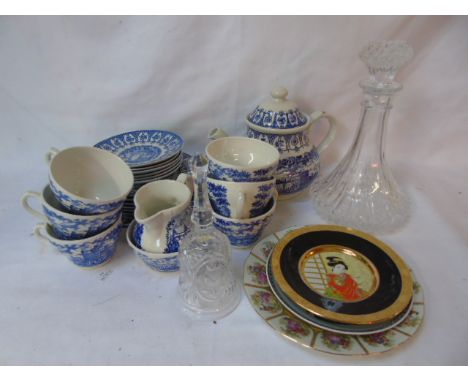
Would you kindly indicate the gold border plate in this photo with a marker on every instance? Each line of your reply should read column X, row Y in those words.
column 308, row 336
column 295, row 245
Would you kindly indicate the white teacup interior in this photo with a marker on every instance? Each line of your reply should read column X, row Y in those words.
column 91, row 173
column 242, row 152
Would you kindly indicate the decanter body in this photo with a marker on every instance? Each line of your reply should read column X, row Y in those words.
column 361, row 192
column 207, row 285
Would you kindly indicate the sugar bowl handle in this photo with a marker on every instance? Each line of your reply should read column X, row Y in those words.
column 315, row 116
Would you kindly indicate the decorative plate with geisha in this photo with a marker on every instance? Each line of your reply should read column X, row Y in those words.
column 332, row 326
column 272, row 311
column 342, row 275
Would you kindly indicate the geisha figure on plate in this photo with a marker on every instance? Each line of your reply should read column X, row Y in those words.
column 338, row 273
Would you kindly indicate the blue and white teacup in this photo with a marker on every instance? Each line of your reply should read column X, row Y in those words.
column 65, row 225
column 88, row 180
column 240, row 200
column 162, row 262
column 243, row 233
column 241, row 159
column 88, row 252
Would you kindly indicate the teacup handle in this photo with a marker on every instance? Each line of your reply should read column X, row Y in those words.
column 240, row 202
column 27, row 207
column 50, row 154
column 182, row 178
column 315, row 116
column 39, row 230
column 217, row 133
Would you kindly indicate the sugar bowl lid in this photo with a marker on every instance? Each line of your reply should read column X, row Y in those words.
column 278, row 112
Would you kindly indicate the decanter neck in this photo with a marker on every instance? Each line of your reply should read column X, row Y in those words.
column 370, row 137
column 378, row 87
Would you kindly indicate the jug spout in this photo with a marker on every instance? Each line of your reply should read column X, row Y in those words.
column 157, row 205
column 217, row 133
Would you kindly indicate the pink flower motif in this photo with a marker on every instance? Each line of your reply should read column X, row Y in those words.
column 335, row 340
column 259, row 271
column 378, row 339
column 266, row 297
column 295, row 327
column 262, row 277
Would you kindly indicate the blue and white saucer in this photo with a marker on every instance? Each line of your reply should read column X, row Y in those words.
column 143, row 147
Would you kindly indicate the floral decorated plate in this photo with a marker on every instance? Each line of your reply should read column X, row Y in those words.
column 284, row 322
column 342, row 275
column 143, row 147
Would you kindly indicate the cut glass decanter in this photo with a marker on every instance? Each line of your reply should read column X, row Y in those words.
column 361, row 191
column 207, row 285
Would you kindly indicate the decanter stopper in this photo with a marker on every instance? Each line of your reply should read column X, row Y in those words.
column 384, row 60
column 207, row 285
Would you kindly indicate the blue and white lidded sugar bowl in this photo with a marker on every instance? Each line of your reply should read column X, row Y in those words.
column 279, row 122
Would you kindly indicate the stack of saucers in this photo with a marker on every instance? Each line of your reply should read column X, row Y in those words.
column 151, row 154
column 341, row 280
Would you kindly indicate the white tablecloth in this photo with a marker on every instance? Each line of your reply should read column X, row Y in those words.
column 68, row 81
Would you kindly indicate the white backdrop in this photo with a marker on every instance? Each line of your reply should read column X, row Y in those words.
column 68, row 81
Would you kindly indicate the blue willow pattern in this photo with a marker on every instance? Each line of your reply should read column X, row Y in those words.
column 292, row 183
column 283, row 142
column 218, row 196
column 143, row 146
column 298, row 170
column 93, row 253
column 231, row 174
column 261, row 200
column 69, row 229
column 242, row 234
column 167, row 264
column 277, row 120
column 176, row 230
column 140, row 154
column 137, row 234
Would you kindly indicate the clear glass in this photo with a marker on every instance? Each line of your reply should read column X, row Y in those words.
column 207, row 285
column 361, row 191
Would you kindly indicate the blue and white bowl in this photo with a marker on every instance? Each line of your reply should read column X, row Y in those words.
column 89, row 252
column 143, row 147
column 162, row 262
column 243, row 233
column 88, row 180
column 65, row 225
column 241, row 159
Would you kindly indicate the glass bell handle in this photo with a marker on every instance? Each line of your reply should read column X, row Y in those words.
column 332, row 123
column 202, row 213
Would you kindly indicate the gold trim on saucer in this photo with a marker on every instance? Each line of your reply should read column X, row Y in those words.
column 388, row 313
